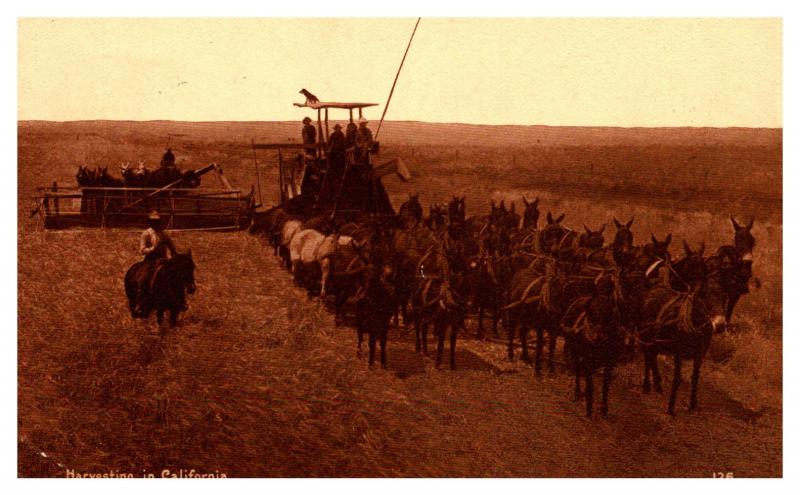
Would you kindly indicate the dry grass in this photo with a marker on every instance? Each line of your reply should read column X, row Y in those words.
column 257, row 380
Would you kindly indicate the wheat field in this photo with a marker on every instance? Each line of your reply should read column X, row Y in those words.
column 257, row 380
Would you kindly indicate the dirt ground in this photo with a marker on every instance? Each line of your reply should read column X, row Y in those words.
column 258, row 381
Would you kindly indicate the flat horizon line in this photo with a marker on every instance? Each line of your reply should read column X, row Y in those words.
column 403, row 121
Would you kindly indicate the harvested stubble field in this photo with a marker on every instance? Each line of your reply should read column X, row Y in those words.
column 257, row 380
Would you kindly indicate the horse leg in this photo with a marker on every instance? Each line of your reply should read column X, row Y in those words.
column 523, row 341
column 577, row 365
column 425, row 337
column 539, row 349
column 656, row 373
column 698, row 361
column 647, row 367
column 418, row 335
column 676, row 382
column 495, row 321
column 372, row 339
column 324, row 266
column 480, row 321
column 360, row 331
column 440, row 328
column 453, row 336
column 384, row 338
column 732, row 300
column 173, row 317
column 589, row 392
column 510, row 325
column 551, row 366
column 606, row 385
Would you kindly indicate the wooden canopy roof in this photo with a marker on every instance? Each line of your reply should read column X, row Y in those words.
column 331, row 104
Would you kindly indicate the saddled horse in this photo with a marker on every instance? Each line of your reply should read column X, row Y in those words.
column 160, row 285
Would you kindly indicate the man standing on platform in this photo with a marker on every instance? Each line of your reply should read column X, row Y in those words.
column 363, row 142
column 309, row 136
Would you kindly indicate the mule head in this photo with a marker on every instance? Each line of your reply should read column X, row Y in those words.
column 743, row 240
column 693, row 266
column 592, row 239
column 455, row 208
column 551, row 235
column 661, row 248
column 530, row 218
column 623, row 240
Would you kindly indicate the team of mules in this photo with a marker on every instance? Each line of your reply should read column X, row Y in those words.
column 604, row 300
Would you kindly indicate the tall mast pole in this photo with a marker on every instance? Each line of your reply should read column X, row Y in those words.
column 391, row 91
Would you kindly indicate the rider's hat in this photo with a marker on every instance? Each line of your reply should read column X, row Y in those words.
column 306, row 120
column 154, row 215
column 337, row 126
column 362, row 120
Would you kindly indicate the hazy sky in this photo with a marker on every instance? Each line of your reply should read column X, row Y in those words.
column 619, row 72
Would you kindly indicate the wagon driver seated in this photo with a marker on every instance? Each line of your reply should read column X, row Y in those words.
column 168, row 160
column 156, row 246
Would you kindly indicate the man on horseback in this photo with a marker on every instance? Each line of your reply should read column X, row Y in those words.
column 156, row 246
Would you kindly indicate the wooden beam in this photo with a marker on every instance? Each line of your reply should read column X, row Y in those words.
column 284, row 146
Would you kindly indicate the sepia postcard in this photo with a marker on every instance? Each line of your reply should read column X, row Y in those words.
column 400, row 247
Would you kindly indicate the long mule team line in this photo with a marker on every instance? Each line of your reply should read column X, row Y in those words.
column 179, row 202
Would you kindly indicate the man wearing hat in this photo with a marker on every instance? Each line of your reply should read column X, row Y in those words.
column 168, row 160
column 363, row 141
column 337, row 157
column 155, row 244
column 309, row 136
column 336, row 142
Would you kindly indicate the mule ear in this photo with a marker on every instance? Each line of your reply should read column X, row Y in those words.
column 668, row 239
column 503, row 204
column 588, row 230
column 189, row 252
column 702, row 248
column 630, row 222
column 736, row 225
column 513, row 207
column 653, row 238
column 549, row 218
column 602, row 229
column 536, row 201
column 750, row 224
column 525, row 201
column 560, row 217
column 687, row 249
column 616, row 222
